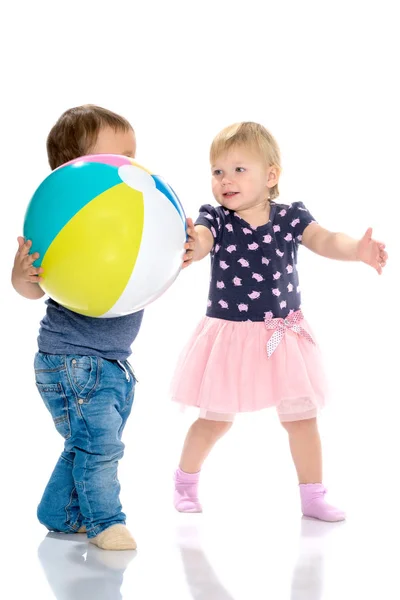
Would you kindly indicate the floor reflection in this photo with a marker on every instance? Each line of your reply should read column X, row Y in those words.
column 308, row 573
column 77, row 570
column 200, row 575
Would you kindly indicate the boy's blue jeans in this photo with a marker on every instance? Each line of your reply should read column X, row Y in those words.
column 90, row 400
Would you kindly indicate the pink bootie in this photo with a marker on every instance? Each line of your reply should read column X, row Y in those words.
column 313, row 503
column 186, row 496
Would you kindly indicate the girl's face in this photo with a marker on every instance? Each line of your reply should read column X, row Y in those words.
column 241, row 179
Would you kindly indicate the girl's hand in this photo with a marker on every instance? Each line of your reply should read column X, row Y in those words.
column 371, row 252
column 23, row 271
column 190, row 245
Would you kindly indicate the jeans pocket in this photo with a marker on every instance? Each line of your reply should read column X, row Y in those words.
column 81, row 369
column 57, row 404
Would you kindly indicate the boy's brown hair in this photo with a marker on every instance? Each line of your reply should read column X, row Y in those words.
column 76, row 131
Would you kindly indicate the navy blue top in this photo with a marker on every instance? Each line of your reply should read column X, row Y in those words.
column 254, row 269
column 65, row 332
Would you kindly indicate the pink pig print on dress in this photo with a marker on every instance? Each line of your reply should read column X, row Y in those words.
column 288, row 237
column 223, row 304
column 289, row 269
column 283, row 304
column 223, row 265
column 237, row 281
column 243, row 307
column 254, row 295
column 277, row 275
column 258, row 277
column 229, row 227
column 295, row 222
column 220, row 285
column 279, row 253
column 277, row 228
column 265, row 261
column 247, row 231
column 243, row 262
column 276, row 292
column 253, row 246
column 267, row 239
column 282, row 213
column 231, row 248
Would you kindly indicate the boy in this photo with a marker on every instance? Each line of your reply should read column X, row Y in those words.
column 81, row 368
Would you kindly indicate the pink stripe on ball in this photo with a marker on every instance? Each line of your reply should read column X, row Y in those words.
column 109, row 159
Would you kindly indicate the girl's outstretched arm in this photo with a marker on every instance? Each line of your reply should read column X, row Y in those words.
column 340, row 246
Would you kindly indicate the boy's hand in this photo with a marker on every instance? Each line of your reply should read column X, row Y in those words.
column 23, row 271
column 371, row 252
column 190, row 245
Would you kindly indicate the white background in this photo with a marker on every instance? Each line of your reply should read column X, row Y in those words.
column 323, row 77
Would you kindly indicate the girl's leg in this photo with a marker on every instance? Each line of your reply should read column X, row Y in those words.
column 305, row 446
column 200, row 439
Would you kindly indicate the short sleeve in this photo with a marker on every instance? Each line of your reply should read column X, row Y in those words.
column 299, row 218
column 208, row 217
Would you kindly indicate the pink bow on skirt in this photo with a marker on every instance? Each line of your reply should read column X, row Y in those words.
column 281, row 326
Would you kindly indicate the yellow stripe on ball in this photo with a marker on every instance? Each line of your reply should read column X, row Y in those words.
column 95, row 253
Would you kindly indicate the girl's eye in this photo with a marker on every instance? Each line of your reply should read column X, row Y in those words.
column 240, row 169
column 217, row 172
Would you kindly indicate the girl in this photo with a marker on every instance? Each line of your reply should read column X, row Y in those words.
column 254, row 348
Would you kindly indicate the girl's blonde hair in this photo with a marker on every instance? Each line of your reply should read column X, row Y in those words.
column 255, row 137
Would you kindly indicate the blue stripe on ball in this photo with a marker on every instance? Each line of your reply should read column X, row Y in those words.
column 61, row 195
column 166, row 189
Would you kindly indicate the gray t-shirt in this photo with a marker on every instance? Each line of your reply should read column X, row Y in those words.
column 65, row 332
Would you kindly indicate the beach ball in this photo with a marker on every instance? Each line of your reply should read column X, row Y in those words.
column 110, row 235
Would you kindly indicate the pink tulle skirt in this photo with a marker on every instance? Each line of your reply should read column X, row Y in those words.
column 231, row 367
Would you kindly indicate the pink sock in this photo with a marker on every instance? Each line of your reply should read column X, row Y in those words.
column 313, row 503
column 185, row 496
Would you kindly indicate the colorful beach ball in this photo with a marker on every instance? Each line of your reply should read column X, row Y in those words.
column 110, row 235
